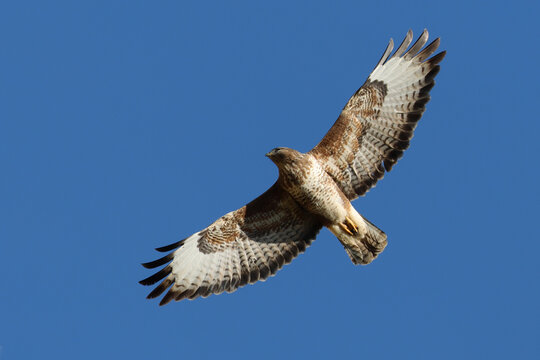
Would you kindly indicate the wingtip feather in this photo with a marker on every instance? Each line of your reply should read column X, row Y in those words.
column 172, row 246
column 428, row 50
column 160, row 288
column 161, row 261
column 151, row 280
column 169, row 296
column 437, row 58
column 386, row 53
column 422, row 39
column 404, row 44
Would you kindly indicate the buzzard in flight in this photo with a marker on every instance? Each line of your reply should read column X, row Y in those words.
column 313, row 190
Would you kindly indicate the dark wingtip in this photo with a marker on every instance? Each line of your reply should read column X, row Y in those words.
column 424, row 92
column 169, row 296
column 160, row 288
column 171, row 246
column 428, row 50
column 151, row 280
column 431, row 75
column 437, row 58
column 158, row 262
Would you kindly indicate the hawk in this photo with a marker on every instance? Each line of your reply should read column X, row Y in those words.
column 313, row 190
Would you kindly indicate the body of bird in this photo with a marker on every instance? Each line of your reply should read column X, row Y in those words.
column 313, row 190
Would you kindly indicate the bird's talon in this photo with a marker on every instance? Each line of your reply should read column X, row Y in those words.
column 344, row 227
column 352, row 225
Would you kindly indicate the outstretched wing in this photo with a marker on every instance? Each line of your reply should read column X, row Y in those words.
column 376, row 125
column 242, row 247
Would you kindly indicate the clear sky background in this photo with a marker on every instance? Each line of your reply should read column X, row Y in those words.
column 127, row 125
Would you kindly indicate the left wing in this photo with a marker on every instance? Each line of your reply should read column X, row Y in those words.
column 244, row 246
column 377, row 123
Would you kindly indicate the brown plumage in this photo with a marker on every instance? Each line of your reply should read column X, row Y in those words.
column 313, row 189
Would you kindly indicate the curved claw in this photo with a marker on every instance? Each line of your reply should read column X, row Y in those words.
column 349, row 226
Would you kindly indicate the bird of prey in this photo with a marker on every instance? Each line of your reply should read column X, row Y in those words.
column 313, row 190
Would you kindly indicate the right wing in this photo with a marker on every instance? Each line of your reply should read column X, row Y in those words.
column 378, row 121
column 242, row 247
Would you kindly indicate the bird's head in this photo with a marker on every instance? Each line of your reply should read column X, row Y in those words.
column 275, row 153
column 283, row 155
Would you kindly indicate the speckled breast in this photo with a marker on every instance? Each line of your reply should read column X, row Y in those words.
column 315, row 190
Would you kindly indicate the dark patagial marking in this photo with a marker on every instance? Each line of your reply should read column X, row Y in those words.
column 368, row 99
column 221, row 233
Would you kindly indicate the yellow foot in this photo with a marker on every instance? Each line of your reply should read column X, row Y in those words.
column 352, row 225
column 349, row 226
column 344, row 227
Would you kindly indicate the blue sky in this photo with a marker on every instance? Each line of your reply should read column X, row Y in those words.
column 127, row 125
